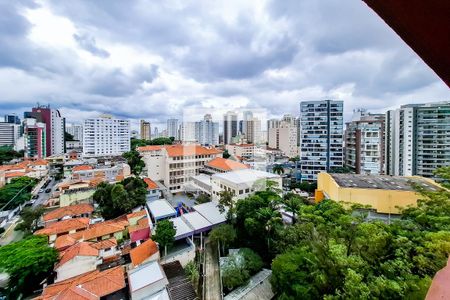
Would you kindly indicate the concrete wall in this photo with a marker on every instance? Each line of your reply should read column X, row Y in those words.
column 77, row 266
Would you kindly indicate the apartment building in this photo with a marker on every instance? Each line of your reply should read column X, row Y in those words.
column 55, row 126
column 172, row 128
column 321, row 137
column 283, row 136
column 417, row 139
column 364, row 143
column 105, row 135
column 207, row 131
column 230, row 127
column 145, row 130
column 241, row 150
column 176, row 164
column 76, row 130
column 9, row 133
column 34, row 135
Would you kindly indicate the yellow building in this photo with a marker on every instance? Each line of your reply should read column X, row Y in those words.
column 383, row 193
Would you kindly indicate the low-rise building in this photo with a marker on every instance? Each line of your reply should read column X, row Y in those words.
column 76, row 260
column 61, row 228
column 147, row 251
column 241, row 150
column 113, row 173
column 83, row 210
column 385, row 194
column 93, row 285
column 176, row 164
column 222, row 165
column 31, row 168
column 242, row 183
column 154, row 192
column 146, row 280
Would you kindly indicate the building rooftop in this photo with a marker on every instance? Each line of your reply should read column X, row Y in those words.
column 143, row 251
column 226, row 164
column 243, row 176
column 197, row 221
column 105, row 244
column 92, row 285
column 65, row 211
column 82, row 168
column 383, row 182
column 64, row 226
column 182, row 228
column 160, row 208
column 189, row 150
column 151, row 185
column 210, row 212
column 145, row 275
column 79, row 249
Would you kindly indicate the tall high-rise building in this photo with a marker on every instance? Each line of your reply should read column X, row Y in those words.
column 230, row 127
column 272, row 123
column 187, row 132
column 145, row 130
column 76, row 130
column 283, row 136
column 172, row 128
column 55, row 128
column 247, row 116
column 417, row 139
column 364, row 143
column 321, row 137
column 252, row 130
column 12, row 118
column 34, row 135
column 105, row 135
column 207, row 131
column 9, row 133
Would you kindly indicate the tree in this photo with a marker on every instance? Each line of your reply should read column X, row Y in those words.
column 226, row 202
column 344, row 169
column 27, row 263
column 203, row 198
column 226, row 154
column 292, row 203
column 278, row 169
column 18, row 190
column 272, row 219
column 223, row 235
column 68, row 137
column 117, row 199
column 30, row 218
column 7, row 153
column 165, row 234
column 234, row 274
column 135, row 161
column 192, row 272
column 305, row 186
column 295, row 158
column 252, row 261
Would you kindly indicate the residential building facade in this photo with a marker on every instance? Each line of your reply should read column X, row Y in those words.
column 321, row 137
column 145, row 130
column 76, row 130
column 364, row 143
column 55, row 127
column 417, row 139
column 230, row 127
column 34, row 136
column 172, row 128
column 283, row 136
column 207, row 131
column 105, row 136
column 9, row 133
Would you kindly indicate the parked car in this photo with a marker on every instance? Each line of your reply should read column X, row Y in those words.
column 41, row 190
column 35, row 197
column 48, row 190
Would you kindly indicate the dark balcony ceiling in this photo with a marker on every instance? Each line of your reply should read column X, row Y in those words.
column 424, row 25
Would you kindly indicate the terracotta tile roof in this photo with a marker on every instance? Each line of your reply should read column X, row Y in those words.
column 95, row 181
column 40, row 162
column 88, row 286
column 98, row 230
column 112, row 242
column 64, row 226
column 141, row 224
column 81, row 168
column 140, row 213
column 188, row 150
column 226, row 164
column 143, row 251
column 151, row 185
column 73, row 210
column 440, row 286
column 79, row 249
column 15, row 174
column 243, row 145
column 64, row 241
column 149, row 148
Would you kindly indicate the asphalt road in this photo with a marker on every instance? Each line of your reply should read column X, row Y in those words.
column 45, row 196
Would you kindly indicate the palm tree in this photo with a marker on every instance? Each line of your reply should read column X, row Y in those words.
column 278, row 169
column 272, row 219
column 226, row 201
column 292, row 203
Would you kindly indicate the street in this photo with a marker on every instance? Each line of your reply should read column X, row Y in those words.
column 43, row 197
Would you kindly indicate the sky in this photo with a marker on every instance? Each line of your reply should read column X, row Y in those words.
column 155, row 60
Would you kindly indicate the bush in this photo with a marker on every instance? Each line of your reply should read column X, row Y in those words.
column 252, row 261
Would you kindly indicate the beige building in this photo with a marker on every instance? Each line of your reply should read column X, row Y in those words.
column 145, row 130
column 241, row 150
column 176, row 164
column 385, row 194
column 285, row 138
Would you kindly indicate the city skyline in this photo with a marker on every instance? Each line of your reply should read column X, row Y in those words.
column 267, row 57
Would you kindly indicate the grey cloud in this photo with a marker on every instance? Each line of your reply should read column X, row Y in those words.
column 89, row 44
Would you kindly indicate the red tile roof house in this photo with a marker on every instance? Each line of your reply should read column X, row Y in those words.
column 139, row 228
column 90, row 286
column 61, row 228
column 147, row 251
column 83, row 210
column 76, row 260
column 153, row 189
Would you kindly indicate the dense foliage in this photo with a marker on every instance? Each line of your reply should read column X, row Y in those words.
column 164, row 234
column 334, row 253
column 305, row 186
column 120, row 198
column 29, row 219
column 158, row 141
column 27, row 263
column 7, row 154
column 19, row 188
column 202, row 198
column 135, row 161
column 239, row 267
column 226, row 154
column 223, row 235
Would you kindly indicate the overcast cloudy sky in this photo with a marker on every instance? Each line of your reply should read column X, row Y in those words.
column 152, row 59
